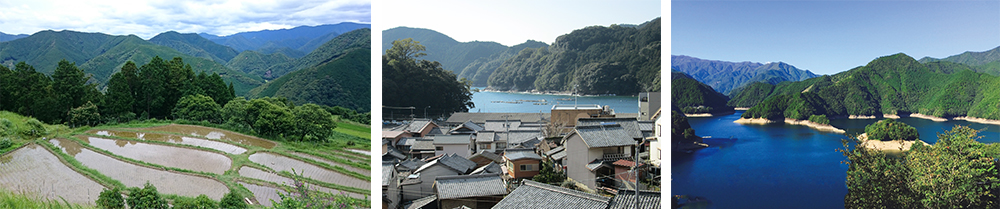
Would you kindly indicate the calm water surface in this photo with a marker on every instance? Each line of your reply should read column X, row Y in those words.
column 484, row 102
column 777, row 165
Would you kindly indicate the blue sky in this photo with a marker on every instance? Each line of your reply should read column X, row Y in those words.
column 147, row 18
column 510, row 22
column 828, row 37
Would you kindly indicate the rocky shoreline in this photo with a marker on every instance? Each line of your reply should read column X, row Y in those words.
column 810, row 124
column 894, row 145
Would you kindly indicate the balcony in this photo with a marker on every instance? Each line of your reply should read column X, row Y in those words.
column 615, row 157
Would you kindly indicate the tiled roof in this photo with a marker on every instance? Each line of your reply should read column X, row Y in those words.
column 604, row 136
column 594, row 164
column 415, row 125
column 543, row 196
column 468, row 125
column 391, row 134
column 485, row 136
column 462, row 186
column 393, row 152
column 488, row 168
column 387, row 172
column 502, row 125
column 626, row 199
column 452, row 139
column 435, row 131
column 488, row 155
column 411, row 164
column 520, row 136
column 555, row 150
column 522, row 155
column 423, row 145
column 631, row 125
column 532, row 143
column 559, row 155
column 646, row 125
column 453, row 161
column 481, row 118
column 419, row 203
column 625, row 163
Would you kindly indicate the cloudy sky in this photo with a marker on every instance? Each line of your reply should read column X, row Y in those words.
column 148, row 18
column 510, row 22
column 827, row 37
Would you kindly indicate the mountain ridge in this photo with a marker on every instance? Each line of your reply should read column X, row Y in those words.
column 727, row 76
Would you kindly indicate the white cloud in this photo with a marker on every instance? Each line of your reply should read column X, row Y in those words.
column 148, row 18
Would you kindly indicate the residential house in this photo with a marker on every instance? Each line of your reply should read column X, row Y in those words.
column 488, row 168
column 421, row 147
column 409, row 165
column 522, row 164
column 649, row 103
column 625, row 176
column 466, row 128
column 421, row 181
column 394, row 136
column 472, row 191
column 484, row 157
column 428, row 202
column 556, row 155
column 418, row 127
column 481, row 118
column 567, row 115
column 627, row 199
column 537, row 195
column 390, row 187
column 458, row 144
column 591, row 149
column 655, row 153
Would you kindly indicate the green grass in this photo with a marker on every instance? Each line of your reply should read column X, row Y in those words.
column 354, row 129
column 16, row 201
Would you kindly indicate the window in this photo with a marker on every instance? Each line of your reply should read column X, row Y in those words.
column 501, row 145
column 484, row 146
column 528, row 167
column 439, row 148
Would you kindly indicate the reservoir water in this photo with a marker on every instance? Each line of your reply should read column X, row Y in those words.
column 778, row 165
column 485, row 102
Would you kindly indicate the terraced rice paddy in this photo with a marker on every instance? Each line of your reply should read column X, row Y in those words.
column 330, row 162
column 282, row 163
column 184, row 158
column 281, row 180
column 136, row 176
column 212, row 133
column 228, row 148
column 263, row 194
column 33, row 169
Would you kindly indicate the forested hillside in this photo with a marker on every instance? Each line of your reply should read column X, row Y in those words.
column 479, row 70
column 341, row 77
column 593, row 60
column 986, row 61
column 726, row 77
column 454, row 56
column 10, row 37
column 690, row 96
column 294, row 42
column 194, row 45
column 101, row 55
column 274, row 66
column 895, row 84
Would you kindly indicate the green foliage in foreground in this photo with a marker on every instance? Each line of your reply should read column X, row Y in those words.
column 302, row 197
column 233, row 200
column 890, row 129
column 821, row 119
column 111, row 199
column 549, row 175
column 146, row 197
column 16, row 201
column 957, row 172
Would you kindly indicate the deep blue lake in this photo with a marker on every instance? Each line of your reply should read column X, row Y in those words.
column 484, row 102
column 778, row 165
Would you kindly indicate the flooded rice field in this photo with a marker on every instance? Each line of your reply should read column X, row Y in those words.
column 263, row 194
column 363, row 152
column 228, row 148
column 281, row 180
column 362, row 171
column 214, row 133
column 282, row 163
column 33, row 169
column 190, row 159
column 136, row 176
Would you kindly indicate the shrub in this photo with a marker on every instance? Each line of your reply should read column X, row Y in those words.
column 111, row 199
column 147, row 197
column 233, row 200
column 201, row 202
column 5, row 143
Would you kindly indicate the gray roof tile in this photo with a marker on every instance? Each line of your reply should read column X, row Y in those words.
column 488, row 155
column 414, row 126
column 485, row 137
column 626, row 199
column 501, row 125
column 488, row 168
column 522, row 155
column 418, row 203
column 467, row 127
column 555, row 150
column 452, row 139
column 631, row 125
column 423, row 145
column 605, row 136
column 453, row 161
column 543, row 196
column 559, row 155
column 462, row 186
column 387, row 172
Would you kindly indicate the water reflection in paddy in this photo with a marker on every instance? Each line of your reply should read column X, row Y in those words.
column 228, row 148
column 365, row 172
column 32, row 169
column 281, row 180
column 282, row 163
column 214, row 133
column 136, row 176
column 169, row 156
column 263, row 194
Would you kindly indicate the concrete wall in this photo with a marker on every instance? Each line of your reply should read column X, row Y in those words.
column 514, row 168
column 568, row 117
column 577, row 157
column 460, row 149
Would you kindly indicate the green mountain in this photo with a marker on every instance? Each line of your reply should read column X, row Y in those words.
column 338, row 74
column 591, row 60
column 691, row 96
column 895, row 84
column 454, row 56
column 101, row 55
column 293, row 42
column 478, row 71
column 256, row 63
column 751, row 94
column 986, row 61
column 10, row 37
column 195, row 45
column 326, row 52
column 727, row 77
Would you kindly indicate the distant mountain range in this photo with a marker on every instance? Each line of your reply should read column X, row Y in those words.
column 728, row 76
column 620, row 59
column 986, row 61
column 101, row 55
column 295, row 42
column 10, row 37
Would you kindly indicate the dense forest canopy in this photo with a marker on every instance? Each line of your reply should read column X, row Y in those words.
column 593, row 60
column 691, row 96
column 408, row 82
column 895, row 84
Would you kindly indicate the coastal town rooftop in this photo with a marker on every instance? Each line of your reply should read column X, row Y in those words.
column 576, row 107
